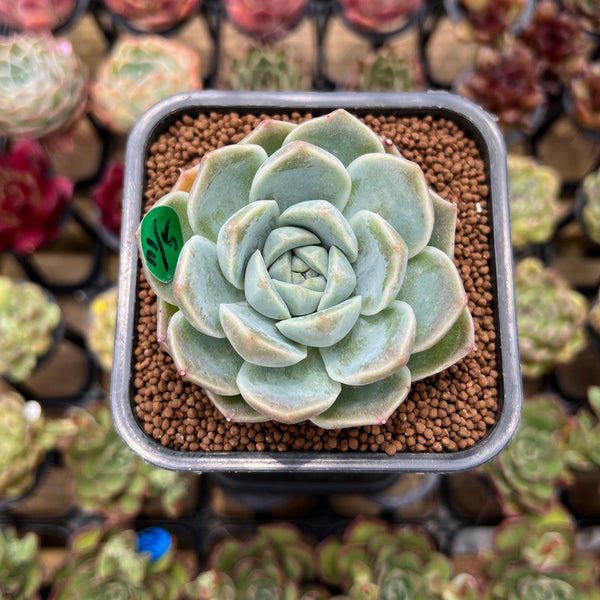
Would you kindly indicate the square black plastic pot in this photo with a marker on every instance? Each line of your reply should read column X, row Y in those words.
column 476, row 124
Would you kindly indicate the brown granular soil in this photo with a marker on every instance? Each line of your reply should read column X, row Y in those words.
column 447, row 412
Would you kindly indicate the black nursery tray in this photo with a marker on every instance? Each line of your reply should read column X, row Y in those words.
column 479, row 126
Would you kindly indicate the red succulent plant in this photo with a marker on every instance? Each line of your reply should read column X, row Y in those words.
column 31, row 199
column 585, row 91
column 379, row 16
column 35, row 15
column 266, row 20
column 108, row 197
column 487, row 21
column 153, row 15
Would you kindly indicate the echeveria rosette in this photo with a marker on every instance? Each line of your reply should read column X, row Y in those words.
column 20, row 565
column 316, row 280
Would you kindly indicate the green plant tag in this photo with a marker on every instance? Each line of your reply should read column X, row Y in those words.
column 162, row 241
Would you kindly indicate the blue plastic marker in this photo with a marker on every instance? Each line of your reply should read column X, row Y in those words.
column 154, row 540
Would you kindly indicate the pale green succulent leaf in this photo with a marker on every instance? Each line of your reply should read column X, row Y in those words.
column 298, row 265
column 396, row 190
column 256, row 339
column 209, row 362
column 199, row 286
column 316, row 257
column 299, row 172
column 241, row 235
column 260, row 290
column 381, row 262
column 283, row 239
column 339, row 133
column 456, row 344
column 164, row 312
column 324, row 220
column 433, row 288
column 222, row 186
column 444, row 224
column 283, row 394
column 377, row 347
column 299, row 299
column 324, row 327
column 178, row 201
column 317, row 284
column 281, row 268
column 370, row 404
column 341, row 279
column 269, row 134
column 235, row 409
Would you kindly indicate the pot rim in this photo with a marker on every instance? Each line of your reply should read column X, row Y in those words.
column 479, row 125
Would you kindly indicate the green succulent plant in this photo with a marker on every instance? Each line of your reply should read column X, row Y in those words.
column 533, row 192
column 274, row 564
column 386, row 71
column 28, row 319
column 534, row 557
column 26, row 438
column 101, row 332
column 20, row 566
column 373, row 560
column 43, row 85
column 527, row 473
column 108, row 477
column 591, row 208
column 105, row 564
column 266, row 68
column 138, row 73
column 550, row 315
column 583, row 444
column 327, row 263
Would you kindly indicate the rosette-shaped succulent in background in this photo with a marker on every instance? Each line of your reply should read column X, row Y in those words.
column 550, row 315
column 28, row 319
column 374, row 560
column 137, row 74
column 583, row 444
column 535, row 557
column 587, row 13
column 104, row 564
column 108, row 477
column 486, row 21
column 108, row 197
column 32, row 201
column 276, row 563
column 379, row 16
column 43, row 85
column 590, row 213
column 153, row 16
column 594, row 315
column 316, row 280
column 35, row 15
column 533, row 191
column 101, row 331
column 506, row 84
column 265, row 20
column 527, row 473
column 386, row 71
column 585, row 94
column 20, row 566
column 266, row 68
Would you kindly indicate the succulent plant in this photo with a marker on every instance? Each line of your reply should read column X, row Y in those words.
column 106, row 564
column 26, row 437
column 374, row 560
column 585, row 92
column 527, row 473
column 267, row 68
column 32, row 200
column 108, row 197
column 534, row 557
column 138, row 73
column 28, row 319
column 265, row 20
column 583, row 444
column 20, row 566
column 153, row 16
column 590, row 213
column 379, row 16
column 36, row 15
column 386, row 71
column 274, row 564
column 557, row 44
column 506, row 84
column 594, row 316
column 550, row 316
column 101, row 331
column 587, row 12
column 324, row 304
column 108, row 477
column 43, row 85
column 533, row 192
column 487, row 20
